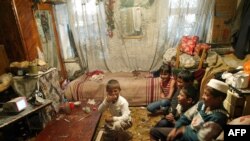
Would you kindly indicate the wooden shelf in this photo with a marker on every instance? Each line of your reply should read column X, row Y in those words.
column 55, row 1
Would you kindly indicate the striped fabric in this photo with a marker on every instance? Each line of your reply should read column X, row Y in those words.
column 152, row 90
column 138, row 90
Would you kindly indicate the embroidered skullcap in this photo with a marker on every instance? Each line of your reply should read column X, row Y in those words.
column 218, row 85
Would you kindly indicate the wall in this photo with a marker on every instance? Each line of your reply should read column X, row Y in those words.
column 4, row 63
column 18, row 31
column 224, row 11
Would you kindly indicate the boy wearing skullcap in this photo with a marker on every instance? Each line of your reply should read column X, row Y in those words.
column 204, row 121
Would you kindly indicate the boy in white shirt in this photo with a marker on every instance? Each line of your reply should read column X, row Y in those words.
column 120, row 119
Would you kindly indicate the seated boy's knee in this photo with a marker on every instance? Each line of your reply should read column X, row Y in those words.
column 153, row 131
column 150, row 109
column 165, row 102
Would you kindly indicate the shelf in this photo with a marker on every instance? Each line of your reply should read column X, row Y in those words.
column 55, row 1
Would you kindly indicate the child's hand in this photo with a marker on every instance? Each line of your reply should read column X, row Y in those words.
column 109, row 119
column 175, row 133
column 172, row 135
column 112, row 99
column 109, row 99
column 170, row 117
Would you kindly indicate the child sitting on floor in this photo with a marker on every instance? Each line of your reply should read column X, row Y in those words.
column 204, row 121
column 184, row 78
column 120, row 119
column 187, row 98
column 168, row 87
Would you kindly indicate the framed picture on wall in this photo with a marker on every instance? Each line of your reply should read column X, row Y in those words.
column 131, row 22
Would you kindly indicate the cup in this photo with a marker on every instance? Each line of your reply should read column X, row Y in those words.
column 71, row 105
column 67, row 108
column 86, row 109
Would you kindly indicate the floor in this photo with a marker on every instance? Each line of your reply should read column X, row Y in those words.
column 142, row 122
column 233, row 61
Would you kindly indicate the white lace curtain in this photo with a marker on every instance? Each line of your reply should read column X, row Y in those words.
column 126, row 35
column 47, row 37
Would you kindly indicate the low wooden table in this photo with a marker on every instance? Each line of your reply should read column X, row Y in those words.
column 6, row 119
column 76, row 126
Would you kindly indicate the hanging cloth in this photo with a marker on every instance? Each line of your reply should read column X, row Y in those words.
column 242, row 37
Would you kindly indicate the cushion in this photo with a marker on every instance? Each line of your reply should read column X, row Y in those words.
column 170, row 52
column 243, row 120
column 199, row 47
column 188, row 44
column 188, row 61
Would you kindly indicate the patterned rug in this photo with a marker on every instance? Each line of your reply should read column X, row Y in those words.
column 142, row 122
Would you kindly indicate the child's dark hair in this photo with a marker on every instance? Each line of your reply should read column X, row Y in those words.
column 172, row 62
column 165, row 69
column 191, row 92
column 113, row 84
column 186, row 75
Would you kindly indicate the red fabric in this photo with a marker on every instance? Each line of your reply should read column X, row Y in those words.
column 199, row 47
column 152, row 90
column 198, row 75
column 188, row 44
column 95, row 72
